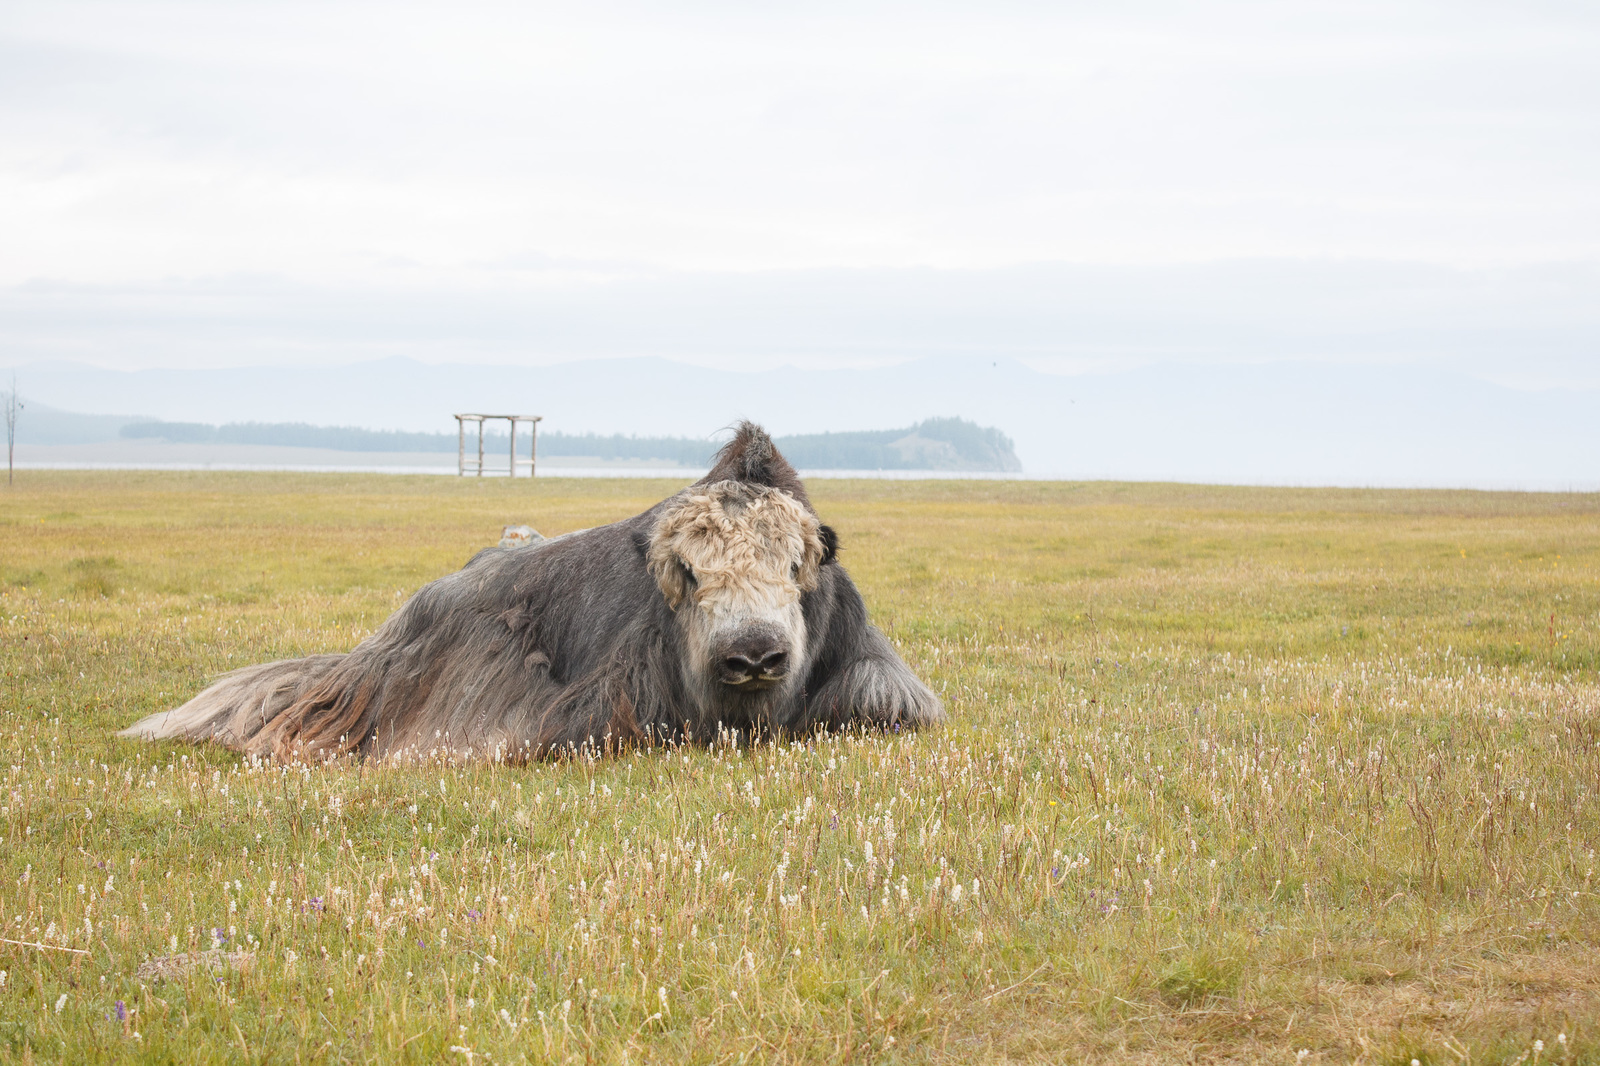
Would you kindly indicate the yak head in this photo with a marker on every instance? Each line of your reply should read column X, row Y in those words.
column 732, row 560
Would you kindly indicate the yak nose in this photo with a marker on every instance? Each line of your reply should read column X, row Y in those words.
column 758, row 656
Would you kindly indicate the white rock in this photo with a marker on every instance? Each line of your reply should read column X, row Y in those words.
column 519, row 536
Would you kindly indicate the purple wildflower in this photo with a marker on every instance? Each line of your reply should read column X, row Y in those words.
column 122, row 1011
column 315, row 902
column 473, row 915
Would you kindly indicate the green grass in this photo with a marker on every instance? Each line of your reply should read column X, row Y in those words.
column 1231, row 774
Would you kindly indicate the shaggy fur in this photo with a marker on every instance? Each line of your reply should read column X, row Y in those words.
column 597, row 639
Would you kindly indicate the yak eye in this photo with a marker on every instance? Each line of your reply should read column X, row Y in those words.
column 688, row 574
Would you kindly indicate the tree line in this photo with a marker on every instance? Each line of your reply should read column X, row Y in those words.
column 936, row 444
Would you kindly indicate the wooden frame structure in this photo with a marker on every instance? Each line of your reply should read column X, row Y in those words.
column 462, row 461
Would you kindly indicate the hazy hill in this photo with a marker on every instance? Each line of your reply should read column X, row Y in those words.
column 39, row 423
column 935, row 444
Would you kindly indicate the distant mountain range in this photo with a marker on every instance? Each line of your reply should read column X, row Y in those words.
column 1285, row 422
column 934, row 444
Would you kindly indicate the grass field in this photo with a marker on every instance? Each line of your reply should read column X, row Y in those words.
column 1232, row 775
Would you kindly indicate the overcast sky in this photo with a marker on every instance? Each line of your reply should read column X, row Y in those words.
column 1089, row 186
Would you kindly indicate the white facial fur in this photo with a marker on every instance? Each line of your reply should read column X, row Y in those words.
column 730, row 557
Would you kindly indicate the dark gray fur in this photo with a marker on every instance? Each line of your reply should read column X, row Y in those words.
column 563, row 645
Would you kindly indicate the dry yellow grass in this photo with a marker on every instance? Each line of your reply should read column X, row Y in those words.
column 1234, row 775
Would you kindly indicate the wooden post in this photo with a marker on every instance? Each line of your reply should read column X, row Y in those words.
column 511, row 458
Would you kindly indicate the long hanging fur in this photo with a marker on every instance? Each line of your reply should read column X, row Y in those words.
column 562, row 645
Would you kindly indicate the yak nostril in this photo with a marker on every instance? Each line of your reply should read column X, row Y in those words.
column 757, row 658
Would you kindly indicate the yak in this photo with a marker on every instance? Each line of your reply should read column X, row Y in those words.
column 721, row 612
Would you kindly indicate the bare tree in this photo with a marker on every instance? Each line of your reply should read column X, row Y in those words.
column 11, row 405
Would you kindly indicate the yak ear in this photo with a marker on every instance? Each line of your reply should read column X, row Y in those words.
column 830, row 544
column 672, row 577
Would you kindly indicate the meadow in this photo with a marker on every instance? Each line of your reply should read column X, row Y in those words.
column 1231, row 775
